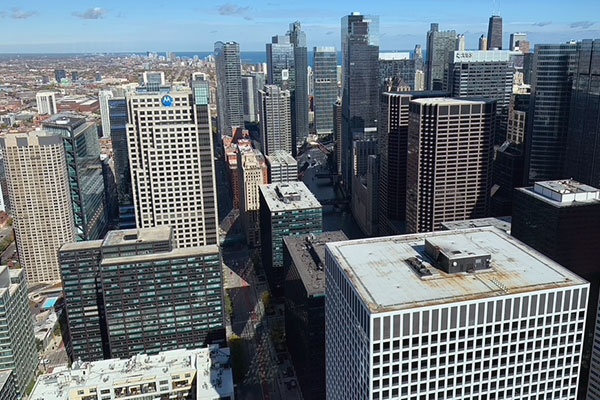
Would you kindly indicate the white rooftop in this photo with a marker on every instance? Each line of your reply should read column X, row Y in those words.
column 447, row 101
column 386, row 280
column 565, row 192
column 288, row 196
column 483, row 56
column 392, row 56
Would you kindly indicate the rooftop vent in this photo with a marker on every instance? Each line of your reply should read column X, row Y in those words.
column 131, row 236
column 456, row 254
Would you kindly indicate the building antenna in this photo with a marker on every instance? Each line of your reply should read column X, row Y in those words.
column 496, row 7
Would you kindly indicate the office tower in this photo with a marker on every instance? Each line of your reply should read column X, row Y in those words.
column 507, row 174
column 396, row 72
column 110, row 189
column 338, row 134
column 280, row 62
column 117, row 113
column 201, row 374
column 461, row 43
column 276, row 120
column 365, row 193
column 300, row 94
column 46, row 103
column 418, row 57
column 59, row 75
column 393, row 152
column 229, row 87
column 304, row 288
column 135, row 292
column 484, row 75
column 548, row 119
column 483, row 43
column 74, row 76
column 286, row 209
column 282, row 167
column 583, row 147
column 525, row 46
column 360, row 88
column 455, row 314
column 153, row 78
column 98, row 77
column 419, row 80
column 104, row 96
column 8, row 390
column 170, row 146
column 259, row 79
column 253, row 173
column 516, row 39
column 449, row 169
column 38, row 188
column 326, row 89
column 495, row 33
column 82, row 150
column 19, row 352
column 440, row 46
column 517, row 118
column 249, row 102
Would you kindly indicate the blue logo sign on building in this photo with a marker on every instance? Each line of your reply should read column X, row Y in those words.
column 167, row 101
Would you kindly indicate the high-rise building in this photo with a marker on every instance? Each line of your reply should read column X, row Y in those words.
column 455, row 314
column 280, row 62
column 59, row 75
column 82, row 150
column 19, row 352
column 365, row 192
column 338, row 134
column 507, row 174
column 516, row 39
column 103, row 97
column 449, row 161
column 46, row 103
column 229, row 87
column 304, row 290
column 249, row 92
column 583, row 147
column 276, row 119
column 38, row 188
column 282, row 167
column 117, row 113
column 171, row 159
column 440, row 46
column 517, row 118
column 300, row 93
column 253, row 173
column 200, row 374
column 326, row 88
column 259, row 80
column 74, row 76
column 461, row 42
column 8, row 390
column 495, row 33
column 286, row 209
column 484, row 75
column 548, row 116
column 393, row 153
column 360, row 88
column 397, row 72
column 483, row 43
column 134, row 292
column 154, row 79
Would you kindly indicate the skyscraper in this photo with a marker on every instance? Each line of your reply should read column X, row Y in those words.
column 171, row 158
column 360, row 88
column 82, row 151
column 300, row 93
column 276, row 119
column 280, row 62
column 326, row 89
column 461, row 42
column 249, row 92
column 397, row 71
column 282, row 167
column 134, row 292
column 40, row 198
column 483, row 43
column 494, row 36
column 461, row 314
column 103, row 97
column 548, row 116
column 253, row 173
column 516, row 39
column 46, row 103
column 59, row 75
column 117, row 113
column 449, row 161
column 229, row 87
column 19, row 352
column 583, row 147
column 440, row 45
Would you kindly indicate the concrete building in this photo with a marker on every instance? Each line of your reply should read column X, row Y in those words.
column 440, row 45
column 249, row 93
column 483, row 43
column 201, row 374
column 397, row 71
column 517, row 118
column 253, row 173
column 495, row 33
column 276, row 120
column 8, row 390
column 282, row 167
column 153, row 78
column 82, row 151
column 461, row 42
column 135, row 292
column 338, row 135
column 103, row 97
column 46, row 103
column 449, row 168
column 365, row 192
column 38, row 188
column 286, row 209
column 516, row 39
column 304, row 289
column 453, row 314
column 171, row 157
column 19, row 353
column 230, row 100
column 326, row 88
column 501, row 223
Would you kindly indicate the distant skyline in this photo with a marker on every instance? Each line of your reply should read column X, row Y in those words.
column 32, row 26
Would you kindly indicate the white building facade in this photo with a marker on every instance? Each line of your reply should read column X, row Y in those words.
column 103, row 97
column 46, row 103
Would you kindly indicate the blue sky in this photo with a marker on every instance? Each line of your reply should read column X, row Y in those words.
column 186, row 25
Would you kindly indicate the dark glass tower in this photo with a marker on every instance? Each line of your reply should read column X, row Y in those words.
column 229, row 87
column 494, row 36
column 548, row 116
column 326, row 89
column 440, row 46
column 583, row 140
column 117, row 112
column 300, row 95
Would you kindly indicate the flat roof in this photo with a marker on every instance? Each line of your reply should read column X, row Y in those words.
column 502, row 223
column 80, row 246
column 288, row 196
column 386, row 281
column 281, row 156
column 563, row 193
column 168, row 255
column 308, row 254
column 4, row 375
column 447, row 101
column 145, row 235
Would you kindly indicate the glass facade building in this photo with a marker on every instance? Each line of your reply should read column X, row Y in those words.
column 300, row 95
column 229, row 87
column 440, row 46
column 326, row 88
column 117, row 112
